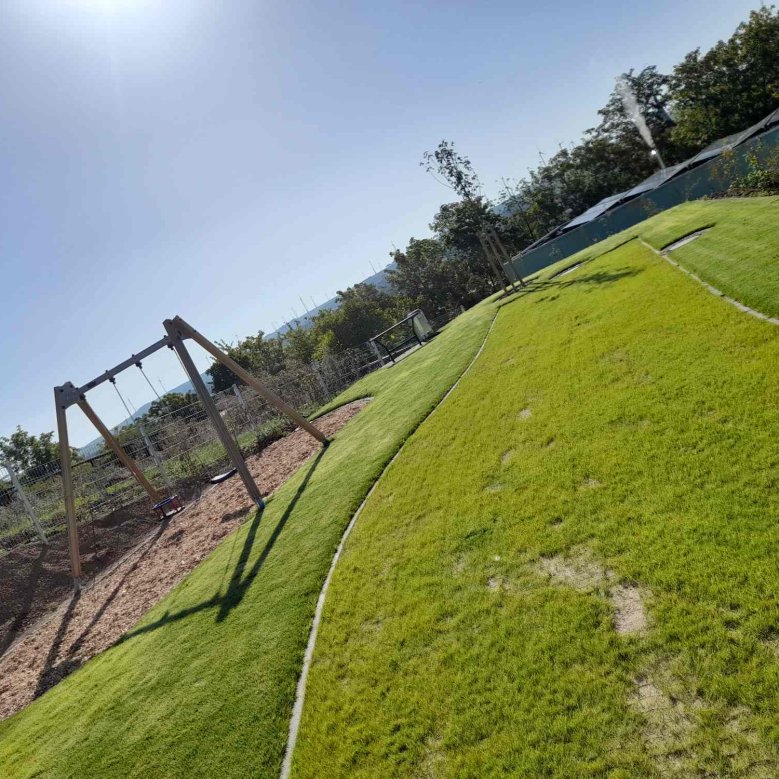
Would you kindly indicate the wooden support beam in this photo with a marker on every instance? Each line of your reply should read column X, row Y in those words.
column 500, row 277
column 231, row 447
column 490, row 237
column 187, row 331
column 67, row 487
column 501, row 249
column 117, row 369
column 113, row 444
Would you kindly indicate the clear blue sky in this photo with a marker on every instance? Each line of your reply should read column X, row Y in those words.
column 218, row 158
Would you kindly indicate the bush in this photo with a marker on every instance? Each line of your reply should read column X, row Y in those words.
column 271, row 431
column 761, row 179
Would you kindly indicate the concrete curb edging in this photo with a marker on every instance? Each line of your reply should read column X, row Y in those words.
column 300, row 692
column 714, row 291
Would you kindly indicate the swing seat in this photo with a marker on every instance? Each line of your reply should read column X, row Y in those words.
column 219, row 478
column 168, row 507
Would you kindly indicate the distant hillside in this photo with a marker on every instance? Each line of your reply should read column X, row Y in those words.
column 377, row 279
column 141, row 410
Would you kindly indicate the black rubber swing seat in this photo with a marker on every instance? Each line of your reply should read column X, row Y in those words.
column 219, row 478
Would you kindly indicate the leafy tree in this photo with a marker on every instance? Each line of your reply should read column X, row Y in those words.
column 176, row 404
column 455, row 170
column 363, row 311
column 651, row 90
column 256, row 354
column 731, row 86
column 300, row 345
column 433, row 281
column 26, row 451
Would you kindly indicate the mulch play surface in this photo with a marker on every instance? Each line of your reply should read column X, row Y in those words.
column 41, row 643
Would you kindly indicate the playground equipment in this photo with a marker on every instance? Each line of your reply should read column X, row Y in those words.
column 417, row 329
column 177, row 331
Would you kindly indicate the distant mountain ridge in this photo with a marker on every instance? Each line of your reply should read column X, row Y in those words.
column 378, row 280
column 307, row 320
column 141, row 410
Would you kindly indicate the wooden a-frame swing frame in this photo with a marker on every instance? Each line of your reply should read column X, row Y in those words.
column 177, row 331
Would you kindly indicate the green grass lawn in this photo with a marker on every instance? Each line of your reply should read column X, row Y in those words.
column 616, row 443
column 616, row 439
column 740, row 257
column 204, row 685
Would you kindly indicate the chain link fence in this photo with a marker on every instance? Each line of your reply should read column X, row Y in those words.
column 178, row 452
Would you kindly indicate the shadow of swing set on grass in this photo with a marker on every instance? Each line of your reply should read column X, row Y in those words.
column 240, row 580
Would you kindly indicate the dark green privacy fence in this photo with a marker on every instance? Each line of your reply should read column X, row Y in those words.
column 712, row 177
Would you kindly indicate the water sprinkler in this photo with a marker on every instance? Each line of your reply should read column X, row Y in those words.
column 655, row 155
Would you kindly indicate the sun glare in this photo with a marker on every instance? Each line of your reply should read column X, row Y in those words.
column 106, row 6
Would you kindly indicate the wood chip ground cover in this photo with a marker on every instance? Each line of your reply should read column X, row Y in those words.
column 91, row 621
column 204, row 684
column 663, row 468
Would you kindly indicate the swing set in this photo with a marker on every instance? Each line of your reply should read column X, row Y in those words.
column 177, row 331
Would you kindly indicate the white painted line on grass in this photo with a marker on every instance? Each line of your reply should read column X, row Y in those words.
column 714, row 291
column 300, row 693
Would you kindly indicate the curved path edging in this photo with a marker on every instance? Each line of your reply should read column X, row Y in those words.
column 300, row 692
column 714, row 291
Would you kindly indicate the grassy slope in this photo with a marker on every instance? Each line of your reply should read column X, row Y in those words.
column 204, row 685
column 651, row 442
column 740, row 257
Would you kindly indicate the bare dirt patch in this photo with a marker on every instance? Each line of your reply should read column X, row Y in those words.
column 772, row 645
column 577, row 570
column 507, row 457
column 629, row 612
column 584, row 574
column 667, row 724
column 526, row 413
column 496, row 584
column 687, row 736
column 87, row 623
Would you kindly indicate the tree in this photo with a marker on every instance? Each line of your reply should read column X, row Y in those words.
column 25, row 451
column 257, row 354
column 457, row 227
column 433, row 280
column 651, row 91
column 300, row 345
column 731, row 86
column 176, row 404
column 363, row 311
column 455, row 170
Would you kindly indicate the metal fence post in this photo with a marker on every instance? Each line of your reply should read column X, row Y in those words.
column 238, row 394
column 322, row 383
column 25, row 502
column 155, row 454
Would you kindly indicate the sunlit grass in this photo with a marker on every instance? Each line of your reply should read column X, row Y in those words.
column 204, row 685
column 620, row 414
